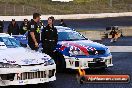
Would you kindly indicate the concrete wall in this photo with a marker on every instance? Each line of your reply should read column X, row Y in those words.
column 92, row 35
column 126, row 31
column 98, row 35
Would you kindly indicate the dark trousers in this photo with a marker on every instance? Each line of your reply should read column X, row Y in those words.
column 49, row 51
column 1, row 30
column 32, row 46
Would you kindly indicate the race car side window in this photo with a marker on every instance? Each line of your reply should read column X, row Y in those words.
column 1, row 39
column 7, row 42
column 10, row 42
column 65, row 36
column 14, row 42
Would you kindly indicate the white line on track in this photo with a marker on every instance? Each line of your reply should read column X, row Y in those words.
column 120, row 48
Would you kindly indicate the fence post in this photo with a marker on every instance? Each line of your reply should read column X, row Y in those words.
column 111, row 3
column 5, row 9
column 23, row 9
column 14, row 10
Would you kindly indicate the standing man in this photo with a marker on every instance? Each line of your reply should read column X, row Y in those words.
column 13, row 28
column 34, row 32
column 1, row 26
column 114, row 34
column 62, row 23
column 24, row 27
column 49, row 37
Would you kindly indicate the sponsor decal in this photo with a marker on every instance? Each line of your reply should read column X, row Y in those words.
column 71, row 62
column 24, row 28
column 34, row 70
column 96, row 52
column 9, row 61
column 62, row 48
column 32, row 26
column 18, row 75
column 45, row 59
column 85, row 64
column 82, row 48
column 23, row 81
column 30, row 61
column 42, row 80
column 38, row 30
column 91, row 48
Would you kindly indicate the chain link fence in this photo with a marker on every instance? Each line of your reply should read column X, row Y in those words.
column 7, row 9
column 14, row 9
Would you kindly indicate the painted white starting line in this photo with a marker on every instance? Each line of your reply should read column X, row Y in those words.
column 120, row 48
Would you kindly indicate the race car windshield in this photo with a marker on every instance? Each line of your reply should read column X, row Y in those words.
column 10, row 42
column 70, row 36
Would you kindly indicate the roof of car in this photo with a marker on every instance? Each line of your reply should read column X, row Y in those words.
column 63, row 29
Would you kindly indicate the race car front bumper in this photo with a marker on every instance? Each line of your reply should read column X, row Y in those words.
column 88, row 63
column 27, row 75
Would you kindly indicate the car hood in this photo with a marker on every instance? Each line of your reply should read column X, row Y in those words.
column 22, row 56
column 84, row 45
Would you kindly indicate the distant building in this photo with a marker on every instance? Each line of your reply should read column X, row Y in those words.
column 63, row 0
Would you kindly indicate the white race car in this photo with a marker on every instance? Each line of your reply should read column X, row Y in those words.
column 21, row 66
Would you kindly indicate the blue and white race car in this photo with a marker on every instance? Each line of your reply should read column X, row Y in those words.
column 74, row 50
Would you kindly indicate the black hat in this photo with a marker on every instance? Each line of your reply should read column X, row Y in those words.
column 52, row 18
column 13, row 19
column 61, row 20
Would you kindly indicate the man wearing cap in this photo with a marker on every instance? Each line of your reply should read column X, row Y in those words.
column 34, row 32
column 49, row 37
column 24, row 27
column 13, row 28
column 1, row 26
column 113, row 33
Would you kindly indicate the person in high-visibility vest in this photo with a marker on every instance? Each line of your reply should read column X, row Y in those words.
column 34, row 32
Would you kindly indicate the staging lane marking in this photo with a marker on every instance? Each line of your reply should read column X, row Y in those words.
column 120, row 48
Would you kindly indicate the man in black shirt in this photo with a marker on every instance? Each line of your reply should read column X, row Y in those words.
column 24, row 27
column 1, row 26
column 34, row 32
column 13, row 28
column 49, row 37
